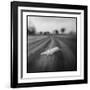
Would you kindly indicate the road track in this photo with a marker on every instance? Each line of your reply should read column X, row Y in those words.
column 63, row 60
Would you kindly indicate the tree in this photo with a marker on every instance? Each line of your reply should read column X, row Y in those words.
column 31, row 31
column 56, row 31
column 41, row 33
column 46, row 33
column 63, row 30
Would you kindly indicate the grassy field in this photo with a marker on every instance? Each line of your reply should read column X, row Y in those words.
column 63, row 60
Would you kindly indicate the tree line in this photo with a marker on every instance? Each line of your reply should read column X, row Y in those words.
column 32, row 31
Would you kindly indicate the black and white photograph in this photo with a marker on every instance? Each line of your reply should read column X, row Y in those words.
column 51, row 44
column 48, row 44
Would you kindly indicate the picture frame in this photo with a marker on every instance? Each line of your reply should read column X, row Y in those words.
column 31, row 69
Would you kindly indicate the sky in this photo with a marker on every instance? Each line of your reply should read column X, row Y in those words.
column 44, row 24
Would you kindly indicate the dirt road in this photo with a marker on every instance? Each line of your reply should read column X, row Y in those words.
column 62, row 60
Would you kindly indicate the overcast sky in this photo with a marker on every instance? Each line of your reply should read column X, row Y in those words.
column 51, row 23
